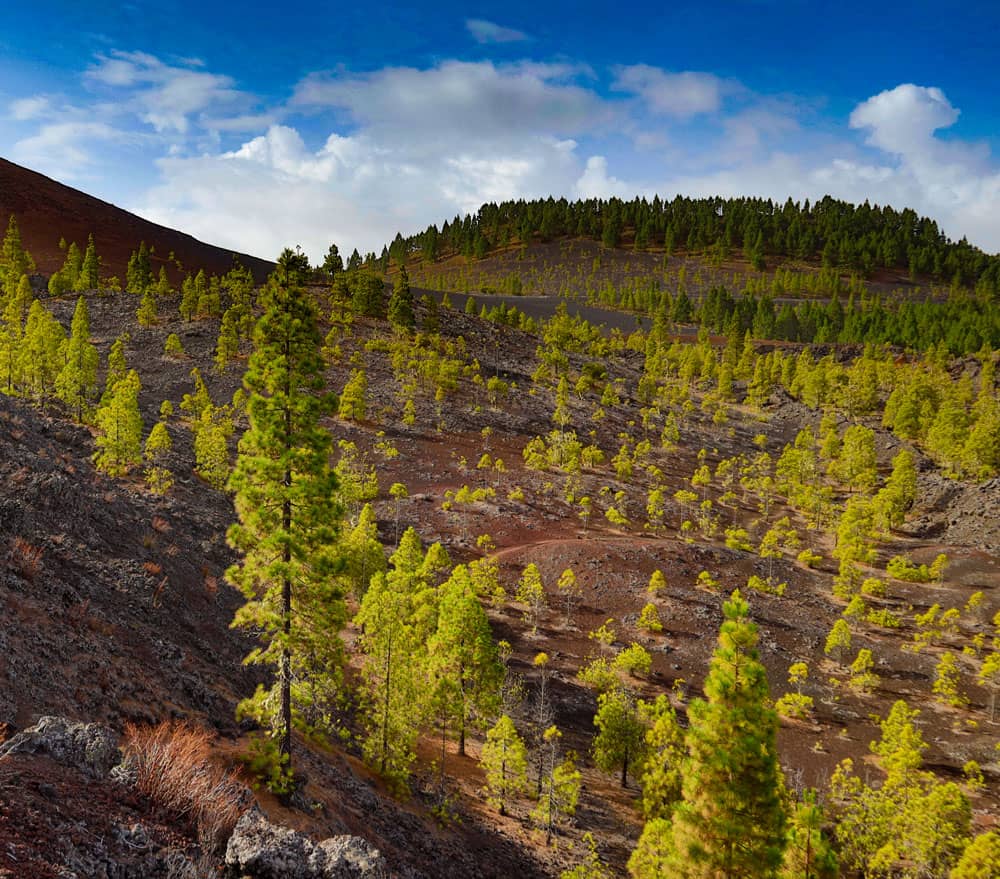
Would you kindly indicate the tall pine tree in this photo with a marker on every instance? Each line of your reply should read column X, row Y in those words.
column 286, row 499
column 730, row 823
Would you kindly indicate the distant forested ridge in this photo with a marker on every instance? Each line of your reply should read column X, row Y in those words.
column 836, row 234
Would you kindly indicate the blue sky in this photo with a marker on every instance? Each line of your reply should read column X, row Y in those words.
column 269, row 124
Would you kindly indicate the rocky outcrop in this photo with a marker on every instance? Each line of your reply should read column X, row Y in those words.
column 259, row 849
column 90, row 748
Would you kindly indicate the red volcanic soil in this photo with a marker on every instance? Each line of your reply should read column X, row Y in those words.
column 47, row 211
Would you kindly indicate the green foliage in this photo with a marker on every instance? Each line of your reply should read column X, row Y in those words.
column 531, row 593
column 912, row 825
column 808, row 852
column 634, row 660
column 504, row 760
column 901, row 569
column 591, row 867
column 463, row 657
column 649, row 619
column 981, row 858
column 158, row 446
column 621, row 734
column 401, row 302
column 286, row 499
column 730, row 820
column 268, row 766
column 211, row 445
column 353, row 399
column 397, row 617
column 119, row 425
column 76, row 384
column 173, row 347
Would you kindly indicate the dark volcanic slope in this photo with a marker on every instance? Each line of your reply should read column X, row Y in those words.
column 47, row 211
column 112, row 601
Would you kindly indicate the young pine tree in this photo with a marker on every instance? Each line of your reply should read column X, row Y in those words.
column 87, row 279
column 401, row 302
column 621, row 735
column 730, row 823
column 286, row 499
column 119, row 425
column 464, row 655
column 158, row 445
column 76, row 383
column 504, row 760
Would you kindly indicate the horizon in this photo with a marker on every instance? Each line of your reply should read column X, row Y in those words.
column 259, row 144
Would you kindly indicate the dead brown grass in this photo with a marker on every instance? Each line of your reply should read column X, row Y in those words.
column 174, row 768
column 25, row 559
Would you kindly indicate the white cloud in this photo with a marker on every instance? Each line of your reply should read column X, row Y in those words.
column 904, row 118
column 25, row 109
column 596, row 183
column 468, row 101
column 681, row 95
column 484, row 31
column 166, row 96
column 62, row 148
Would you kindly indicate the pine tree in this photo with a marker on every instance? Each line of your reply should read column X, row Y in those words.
column 189, row 299
column 463, row 654
column 730, row 823
column 561, row 786
column 87, row 279
column 76, row 383
column 621, row 735
column 158, row 446
column 808, row 853
column 981, row 858
column 211, row 445
column 119, row 425
column 363, row 554
column 146, row 314
column 660, row 773
column 395, row 617
column 15, row 261
column 401, row 302
column 353, row 399
column 41, row 351
column 531, row 593
column 285, row 496
column 504, row 760
column 228, row 345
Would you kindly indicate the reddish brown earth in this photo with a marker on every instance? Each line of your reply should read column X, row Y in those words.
column 47, row 211
column 93, row 635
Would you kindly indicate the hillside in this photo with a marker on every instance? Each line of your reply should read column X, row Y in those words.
column 527, row 436
column 47, row 211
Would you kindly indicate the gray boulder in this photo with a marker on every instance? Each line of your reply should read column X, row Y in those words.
column 259, row 849
column 92, row 748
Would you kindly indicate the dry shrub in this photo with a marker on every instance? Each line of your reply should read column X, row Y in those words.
column 173, row 767
column 25, row 559
column 152, row 568
column 160, row 525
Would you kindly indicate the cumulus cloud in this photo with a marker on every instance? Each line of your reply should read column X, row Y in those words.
column 63, row 148
column 905, row 117
column 355, row 190
column 485, row 32
column 682, row 95
column 479, row 101
column 164, row 95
